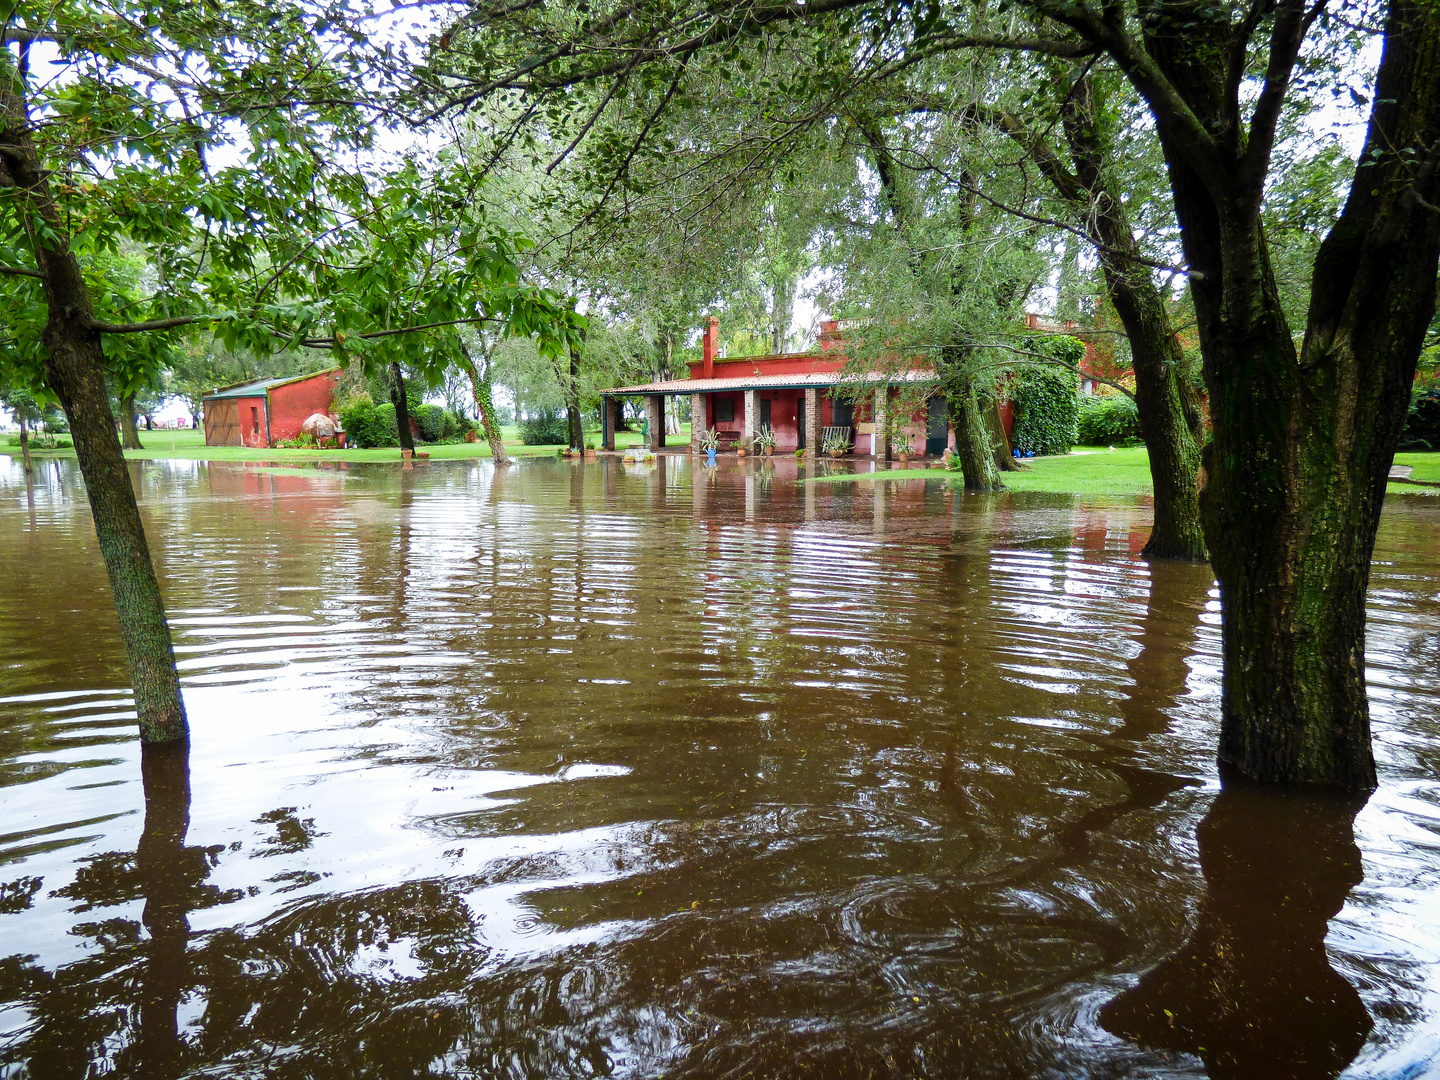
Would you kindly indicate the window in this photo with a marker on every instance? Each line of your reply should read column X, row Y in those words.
column 765, row 412
column 842, row 413
column 724, row 410
column 254, row 420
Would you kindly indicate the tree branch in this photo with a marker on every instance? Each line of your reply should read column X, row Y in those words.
column 20, row 271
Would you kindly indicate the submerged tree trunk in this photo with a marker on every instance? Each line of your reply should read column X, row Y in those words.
column 572, row 403
column 24, row 443
column 74, row 368
column 972, row 439
column 485, row 406
column 1303, row 444
column 130, row 435
column 402, row 407
column 1170, row 418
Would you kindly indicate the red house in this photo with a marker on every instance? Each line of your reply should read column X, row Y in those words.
column 263, row 413
column 797, row 395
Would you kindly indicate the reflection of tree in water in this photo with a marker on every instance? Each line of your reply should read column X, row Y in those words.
column 1252, row 992
column 127, row 993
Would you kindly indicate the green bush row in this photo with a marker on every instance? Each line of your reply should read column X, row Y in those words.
column 367, row 424
column 1046, row 412
column 1422, row 423
column 547, row 429
column 1108, row 421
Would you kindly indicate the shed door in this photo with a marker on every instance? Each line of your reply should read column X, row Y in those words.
column 222, row 423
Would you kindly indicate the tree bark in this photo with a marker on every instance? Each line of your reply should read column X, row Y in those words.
column 1303, row 444
column 74, row 368
column 402, row 407
column 485, row 406
column 1170, row 418
column 972, row 440
column 572, row 403
column 130, row 434
column 24, row 442
column 999, row 441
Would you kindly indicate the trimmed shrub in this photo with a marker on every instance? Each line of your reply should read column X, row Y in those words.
column 430, row 420
column 1108, row 421
column 547, row 429
column 367, row 424
column 1046, row 411
column 1422, row 423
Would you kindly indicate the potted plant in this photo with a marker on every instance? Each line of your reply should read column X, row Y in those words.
column 590, row 452
column 766, row 440
column 740, row 449
column 710, row 442
column 836, row 445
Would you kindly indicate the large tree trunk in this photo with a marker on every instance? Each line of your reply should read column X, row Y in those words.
column 1303, row 444
column 572, row 403
column 1001, row 449
column 972, row 440
column 1170, row 419
column 129, row 433
column 485, row 406
column 74, row 368
column 24, row 442
column 402, row 407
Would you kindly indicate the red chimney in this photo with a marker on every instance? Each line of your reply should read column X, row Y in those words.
column 712, row 345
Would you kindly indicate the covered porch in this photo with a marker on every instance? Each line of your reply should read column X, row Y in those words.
column 797, row 407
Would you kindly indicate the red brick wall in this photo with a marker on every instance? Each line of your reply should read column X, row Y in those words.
column 252, row 421
column 294, row 403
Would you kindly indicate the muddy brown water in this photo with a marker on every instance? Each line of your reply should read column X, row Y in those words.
column 601, row 770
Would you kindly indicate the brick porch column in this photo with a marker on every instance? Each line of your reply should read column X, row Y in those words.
column 655, row 414
column 812, row 423
column 881, row 438
column 752, row 420
column 697, row 421
column 612, row 421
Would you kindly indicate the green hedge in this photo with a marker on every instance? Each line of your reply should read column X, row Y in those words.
column 1422, row 424
column 367, row 424
column 547, row 429
column 1108, row 421
column 1046, row 412
column 430, row 419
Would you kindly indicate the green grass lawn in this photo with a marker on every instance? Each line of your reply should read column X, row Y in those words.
column 1098, row 471
column 190, row 445
column 1085, row 471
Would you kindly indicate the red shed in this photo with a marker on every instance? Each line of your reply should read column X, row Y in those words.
column 263, row 413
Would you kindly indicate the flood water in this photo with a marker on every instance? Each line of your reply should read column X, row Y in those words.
column 642, row 771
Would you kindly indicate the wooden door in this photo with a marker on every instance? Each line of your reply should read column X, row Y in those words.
column 222, row 423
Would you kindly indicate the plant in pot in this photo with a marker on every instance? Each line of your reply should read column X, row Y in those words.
column 710, row 442
column 835, row 444
column 766, row 440
column 590, row 451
